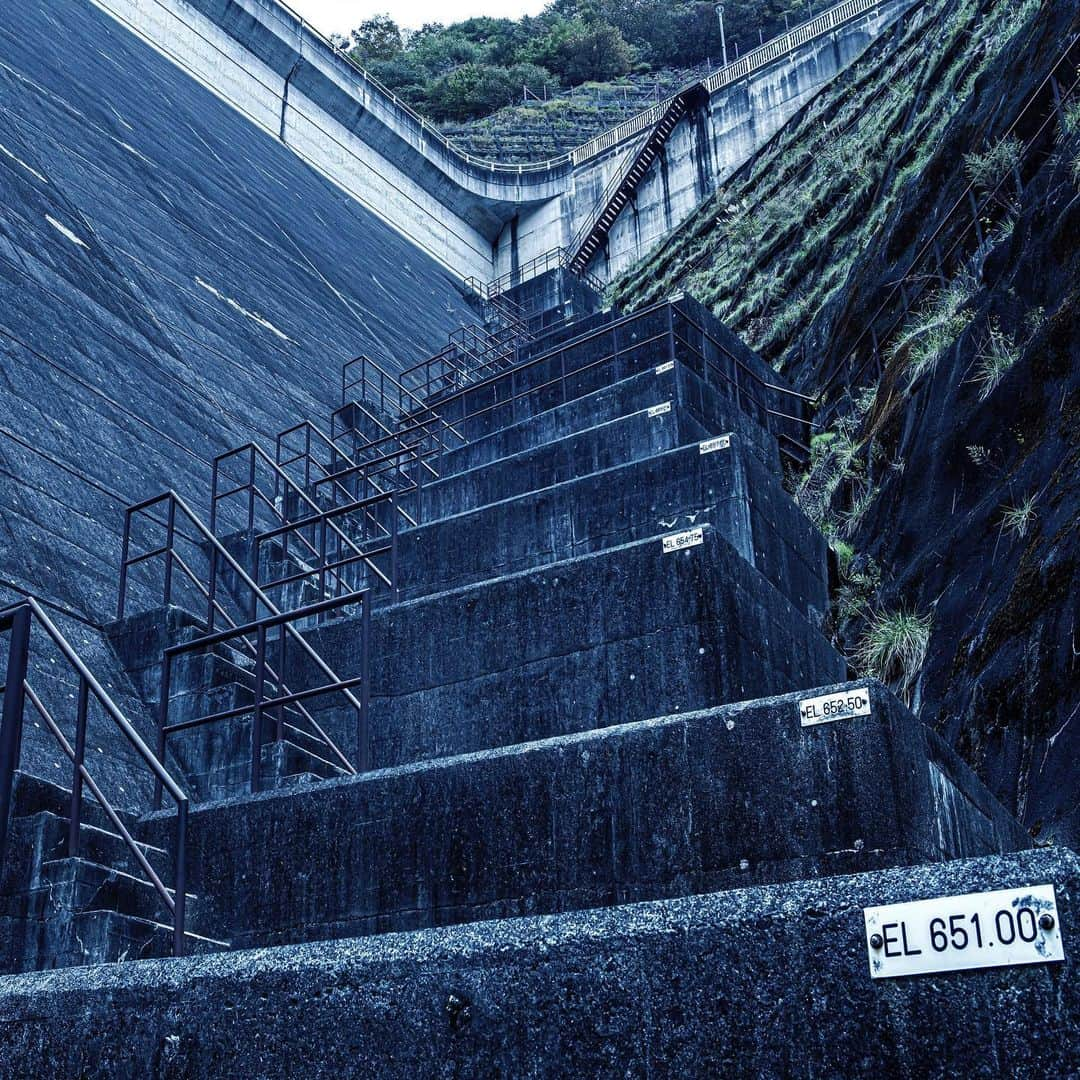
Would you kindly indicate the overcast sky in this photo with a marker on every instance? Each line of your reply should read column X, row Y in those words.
column 341, row 16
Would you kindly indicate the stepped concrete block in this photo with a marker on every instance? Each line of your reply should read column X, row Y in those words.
column 585, row 651
column 608, row 445
column 637, row 393
column 666, row 493
column 663, row 807
column 767, row 981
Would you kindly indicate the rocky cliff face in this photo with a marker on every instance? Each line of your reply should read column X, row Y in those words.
column 906, row 250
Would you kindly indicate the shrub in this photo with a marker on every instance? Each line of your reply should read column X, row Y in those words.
column 893, row 649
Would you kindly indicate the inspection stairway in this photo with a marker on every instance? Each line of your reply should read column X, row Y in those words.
column 582, row 631
column 99, row 906
column 628, row 176
column 565, row 663
column 77, row 886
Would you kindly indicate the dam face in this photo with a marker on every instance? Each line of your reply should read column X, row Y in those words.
column 412, row 664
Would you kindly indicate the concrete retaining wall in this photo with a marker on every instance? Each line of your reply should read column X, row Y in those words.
column 664, row 807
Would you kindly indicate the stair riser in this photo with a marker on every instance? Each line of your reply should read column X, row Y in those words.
column 617, row 443
column 689, row 804
column 664, row 494
column 585, row 650
column 44, row 837
column 716, row 412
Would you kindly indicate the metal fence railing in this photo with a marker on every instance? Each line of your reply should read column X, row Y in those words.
column 424, row 132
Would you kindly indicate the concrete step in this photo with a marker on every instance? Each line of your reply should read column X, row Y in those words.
column 664, row 493
column 43, row 837
column 615, row 442
column 611, row 354
column 739, row 795
column 61, row 939
column 80, row 884
column 34, row 795
column 699, row 986
column 574, row 646
column 214, row 760
column 512, row 432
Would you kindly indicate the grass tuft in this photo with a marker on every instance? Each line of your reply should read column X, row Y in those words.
column 1020, row 518
column 986, row 170
column 894, row 649
column 996, row 354
column 929, row 332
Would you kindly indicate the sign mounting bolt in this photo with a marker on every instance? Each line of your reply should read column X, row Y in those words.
column 876, row 941
column 1046, row 921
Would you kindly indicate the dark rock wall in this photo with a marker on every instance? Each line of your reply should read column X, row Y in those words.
column 803, row 253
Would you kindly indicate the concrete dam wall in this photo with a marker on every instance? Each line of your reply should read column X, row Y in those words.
column 479, row 218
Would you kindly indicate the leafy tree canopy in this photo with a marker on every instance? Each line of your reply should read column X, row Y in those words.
column 471, row 68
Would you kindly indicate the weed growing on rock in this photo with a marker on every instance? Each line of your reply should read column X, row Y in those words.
column 832, row 460
column 935, row 327
column 1019, row 519
column 894, row 649
column 997, row 353
column 1070, row 119
column 986, row 170
column 861, row 581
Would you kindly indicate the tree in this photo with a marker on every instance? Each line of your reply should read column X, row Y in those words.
column 595, row 52
column 377, row 38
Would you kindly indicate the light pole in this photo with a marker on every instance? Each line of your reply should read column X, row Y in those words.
column 723, row 40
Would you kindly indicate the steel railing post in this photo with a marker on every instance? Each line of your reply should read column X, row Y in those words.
column 180, row 878
column 170, row 539
column 11, row 722
column 77, row 779
column 256, row 728
column 363, row 744
column 211, row 591
column 394, row 547
column 125, row 551
column 214, row 480
column 163, row 720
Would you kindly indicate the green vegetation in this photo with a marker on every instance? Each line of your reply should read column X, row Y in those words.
column 997, row 353
column 935, row 327
column 986, row 170
column 473, row 67
column 893, row 649
column 1020, row 518
column 834, row 460
column 771, row 251
column 841, row 196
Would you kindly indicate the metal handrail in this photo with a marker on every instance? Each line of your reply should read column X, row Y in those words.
column 668, row 333
column 258, row 454
column 221, row 552
column 384, row 377
column 18, row 619
column 556, row 257
column 284, row 697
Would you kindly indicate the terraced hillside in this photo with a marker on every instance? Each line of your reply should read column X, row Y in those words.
column 537, row 130
column 905, row 250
